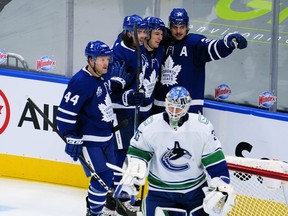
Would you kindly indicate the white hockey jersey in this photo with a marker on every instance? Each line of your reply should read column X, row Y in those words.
column 177, row 158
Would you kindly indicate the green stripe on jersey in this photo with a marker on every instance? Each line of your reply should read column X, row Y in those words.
column 213, row 158
column 176, row 186
column 139, row 153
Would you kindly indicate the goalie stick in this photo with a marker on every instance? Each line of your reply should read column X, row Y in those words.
column 126, row 211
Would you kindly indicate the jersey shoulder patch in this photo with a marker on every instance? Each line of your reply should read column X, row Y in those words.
column 202, row 119
column 148, row 121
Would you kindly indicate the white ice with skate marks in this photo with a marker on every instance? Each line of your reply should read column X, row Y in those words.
column 28, row 198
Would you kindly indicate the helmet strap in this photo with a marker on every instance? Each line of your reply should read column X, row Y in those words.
column 97, row 73
column 149, row 45
column 95, row 70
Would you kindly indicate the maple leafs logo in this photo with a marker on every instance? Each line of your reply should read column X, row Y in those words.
column 145, row 64
column 106, row 109
column 1, row 108
column 169, row 72
column 149, row 85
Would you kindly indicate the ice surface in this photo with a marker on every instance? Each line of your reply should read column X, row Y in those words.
column 21, row 197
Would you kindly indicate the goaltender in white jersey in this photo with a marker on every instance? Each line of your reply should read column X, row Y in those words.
column 179, row 152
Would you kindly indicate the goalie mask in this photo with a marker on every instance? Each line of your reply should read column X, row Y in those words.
column 177, row 104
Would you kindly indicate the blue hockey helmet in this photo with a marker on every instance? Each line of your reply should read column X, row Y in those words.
column 154, row 23
column 178, row 101
column 178, row 16
column 97, row 48
column 130, row 21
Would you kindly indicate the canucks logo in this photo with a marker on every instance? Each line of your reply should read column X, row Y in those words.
column 175, row 159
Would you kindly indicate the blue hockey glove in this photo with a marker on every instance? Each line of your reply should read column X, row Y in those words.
column 132, row 98
column 119, row 75
column 73, row 146
column 235, row 40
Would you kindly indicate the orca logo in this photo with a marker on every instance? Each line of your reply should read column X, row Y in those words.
column 4, row 112
column 175, row 159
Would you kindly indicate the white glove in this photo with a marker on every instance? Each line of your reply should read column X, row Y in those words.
column 134, row 173
column 219, row 197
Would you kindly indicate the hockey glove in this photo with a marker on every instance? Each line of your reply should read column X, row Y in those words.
column 132, row 98
column 119, row 76
column 133, row 173
column 73, row 146
column 219, row 197
column 235, row 40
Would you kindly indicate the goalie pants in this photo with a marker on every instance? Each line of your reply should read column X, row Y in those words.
column 187, row 201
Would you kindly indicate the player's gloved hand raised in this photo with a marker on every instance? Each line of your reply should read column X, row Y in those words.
column 132, row 98
column 119, row 75
column 235, row 40
column 73, row 146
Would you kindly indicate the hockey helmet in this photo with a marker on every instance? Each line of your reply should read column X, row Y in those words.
column 130, row 21
column 178, row 101
column 154, row 23
column 97, row 48
column 178, row 16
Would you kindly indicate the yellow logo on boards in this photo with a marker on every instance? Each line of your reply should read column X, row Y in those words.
column 256, row 9
column 252, row 19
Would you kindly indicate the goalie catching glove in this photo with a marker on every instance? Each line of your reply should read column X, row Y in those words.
column 219, row 197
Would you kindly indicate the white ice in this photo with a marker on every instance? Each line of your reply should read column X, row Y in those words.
column 28, row 198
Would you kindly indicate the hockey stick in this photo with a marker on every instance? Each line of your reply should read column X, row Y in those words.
column 83, row 161
column 120, row 170
column 136, row 117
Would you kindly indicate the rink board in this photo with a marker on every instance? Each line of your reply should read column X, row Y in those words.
column 38, row 153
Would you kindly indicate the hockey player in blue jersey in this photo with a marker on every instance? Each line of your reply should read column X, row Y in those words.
column 184, row 161
column 125, row 100
column 185, row 59
column 85, row 117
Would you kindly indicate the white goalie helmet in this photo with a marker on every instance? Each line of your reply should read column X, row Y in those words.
column 178, row 101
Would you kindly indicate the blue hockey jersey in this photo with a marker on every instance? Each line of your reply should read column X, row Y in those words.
column 184, row 65
column 150, row 66
column 86, row 108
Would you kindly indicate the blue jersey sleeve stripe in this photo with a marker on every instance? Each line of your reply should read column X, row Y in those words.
column 66, row 111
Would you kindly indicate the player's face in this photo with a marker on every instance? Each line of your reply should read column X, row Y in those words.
column 178, row 31
column 102, row 63
column 156, row 38
column 175, row 111
column 141, row 36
